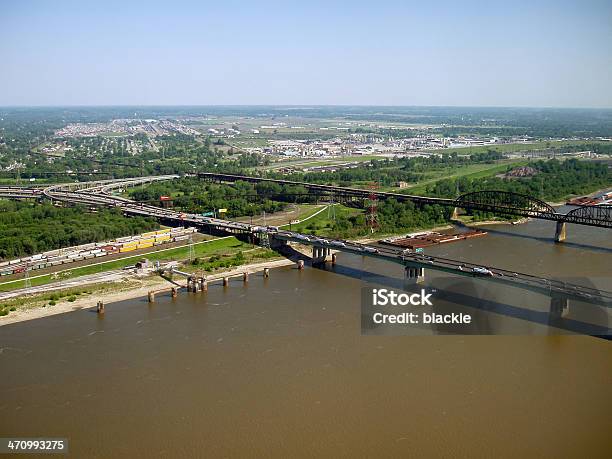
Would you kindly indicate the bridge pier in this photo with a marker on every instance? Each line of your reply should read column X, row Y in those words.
column 151, row 297
column 559, row 308
column 415, row 275
column 560, row 232
column 320, row 254
column 276, row 244
column 455, row 214
column 100, row 307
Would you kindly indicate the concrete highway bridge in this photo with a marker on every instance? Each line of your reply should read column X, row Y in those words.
column 416, row 263
column 97, row 194
column 499, row 202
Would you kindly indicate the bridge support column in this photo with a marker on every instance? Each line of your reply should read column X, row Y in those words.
column 455, row 214
column 559, row 308
column 560, row 232
column 415, row 275
column 100, row 307
column 320, row 254
column 225, row 281
column 174, row 292
column 334, row 258
column 277, row 243
column 151, row 297
column 300, row 264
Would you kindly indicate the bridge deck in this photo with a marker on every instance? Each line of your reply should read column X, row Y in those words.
column 549, row 287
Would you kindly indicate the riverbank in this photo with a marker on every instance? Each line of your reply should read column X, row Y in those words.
column 129, row 287
column 137, row 287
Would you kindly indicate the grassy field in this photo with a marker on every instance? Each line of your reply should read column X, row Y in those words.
column 282, row 218
column 243, row 257
column 313, row 162
column 226, row 245
column 247, row 142
column 307, row 211
column 514, row 147
column 321, row 224
column 472, row 171
column 433, row 175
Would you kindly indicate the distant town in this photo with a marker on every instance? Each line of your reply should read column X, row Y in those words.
column 295, row 143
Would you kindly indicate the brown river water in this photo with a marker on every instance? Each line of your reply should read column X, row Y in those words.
column 280, row 368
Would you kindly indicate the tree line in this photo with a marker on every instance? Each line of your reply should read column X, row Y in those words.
column 192, row 195
column 27, row 229
column 554, row 180
column 393, row 217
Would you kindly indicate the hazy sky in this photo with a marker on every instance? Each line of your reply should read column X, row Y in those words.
column 490, row 53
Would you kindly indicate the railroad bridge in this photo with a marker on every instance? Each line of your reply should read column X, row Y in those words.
column 498, row 202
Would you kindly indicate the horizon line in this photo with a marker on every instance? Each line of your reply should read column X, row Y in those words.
column 548, row 107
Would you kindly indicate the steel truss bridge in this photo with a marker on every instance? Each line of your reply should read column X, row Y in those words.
column 499, row 202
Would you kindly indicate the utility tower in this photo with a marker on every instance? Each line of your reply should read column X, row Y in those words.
column 191, row 248
column 27, row 283
column 372, row 205
column 331, row 209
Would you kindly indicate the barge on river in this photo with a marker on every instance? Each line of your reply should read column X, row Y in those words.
column 429, row 238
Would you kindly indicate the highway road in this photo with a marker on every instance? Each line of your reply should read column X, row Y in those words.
column 536, row 284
